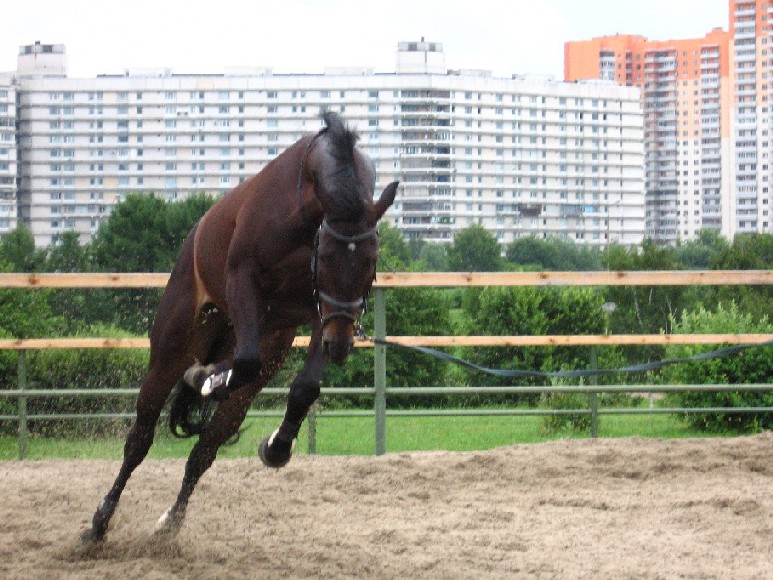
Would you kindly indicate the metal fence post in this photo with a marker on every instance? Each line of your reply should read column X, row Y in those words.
column 311, row 422
column 593, row 397
column 379, row 371
column 22, row 404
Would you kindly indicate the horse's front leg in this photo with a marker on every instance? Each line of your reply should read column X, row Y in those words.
column 276, row 450
column 243, row 311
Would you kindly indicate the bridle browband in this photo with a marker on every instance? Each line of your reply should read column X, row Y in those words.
column 343, row 309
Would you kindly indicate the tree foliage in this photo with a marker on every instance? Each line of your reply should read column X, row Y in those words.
column 17, row 251
column 143, row 234
column 474, row 249
column 751, row 366
column 531, row 311
column 556, row 254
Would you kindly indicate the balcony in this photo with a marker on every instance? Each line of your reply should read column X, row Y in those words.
column 529, row 209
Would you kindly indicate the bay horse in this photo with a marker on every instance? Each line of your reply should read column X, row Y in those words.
column 295, row 244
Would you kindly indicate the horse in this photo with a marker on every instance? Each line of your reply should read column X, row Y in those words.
column 295, row 244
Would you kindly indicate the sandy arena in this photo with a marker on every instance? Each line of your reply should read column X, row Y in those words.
column 627, row 508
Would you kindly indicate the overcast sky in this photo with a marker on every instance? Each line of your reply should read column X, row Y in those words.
column 297, row 36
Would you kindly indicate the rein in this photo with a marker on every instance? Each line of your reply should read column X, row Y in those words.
column 521, row 373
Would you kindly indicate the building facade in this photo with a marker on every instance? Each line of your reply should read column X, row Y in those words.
column 8, row 168
column 751, row 64
column 706, row 121
column 520, row 156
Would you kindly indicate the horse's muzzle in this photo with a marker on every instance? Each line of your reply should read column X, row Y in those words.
column 337, row 348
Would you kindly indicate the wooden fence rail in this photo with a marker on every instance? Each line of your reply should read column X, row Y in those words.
column 433, row 279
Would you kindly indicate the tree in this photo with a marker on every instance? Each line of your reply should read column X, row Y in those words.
column 77, row 307
column 180, row 218
column 531, row 311
column 434, row 258
column 132, row 238
column 702, row 253
column 474, row 249
column 17, row 250
column 553, row 253
column 68, row 255
column 643, row 309
column 142, row 234
column 747, row 252
column 25, row 313
column 393, row 252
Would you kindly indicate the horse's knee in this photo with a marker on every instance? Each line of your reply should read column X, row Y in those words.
column 303, row 394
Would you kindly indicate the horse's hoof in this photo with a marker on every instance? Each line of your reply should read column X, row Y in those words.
column 216, row 386
column 90, row 537
column 271, row 455
column 168, row 524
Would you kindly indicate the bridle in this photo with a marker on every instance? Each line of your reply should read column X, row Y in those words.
column 343, row 309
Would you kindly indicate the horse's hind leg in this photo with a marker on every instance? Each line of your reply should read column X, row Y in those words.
column 224, row 424
column 168, row 361
column 152, row 397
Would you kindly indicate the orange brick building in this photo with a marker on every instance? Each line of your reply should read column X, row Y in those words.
column 706, row 120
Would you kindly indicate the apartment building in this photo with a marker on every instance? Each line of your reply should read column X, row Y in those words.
column 751, row 201
column 8, row 208
column 706, row 121
column 521, row 156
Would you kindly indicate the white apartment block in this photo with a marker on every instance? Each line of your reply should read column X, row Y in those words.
column 8, row 208
column 751, row 66
column 520, row 156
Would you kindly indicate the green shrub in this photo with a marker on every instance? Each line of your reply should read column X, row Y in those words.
column 750, row 366
column 67, row 369
column 574, row 422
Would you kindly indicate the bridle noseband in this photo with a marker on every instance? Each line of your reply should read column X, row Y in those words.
column 343, row 309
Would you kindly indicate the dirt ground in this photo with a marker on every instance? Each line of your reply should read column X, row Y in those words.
column 626, row 508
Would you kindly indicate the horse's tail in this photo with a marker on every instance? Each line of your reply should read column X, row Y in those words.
column 189, row 412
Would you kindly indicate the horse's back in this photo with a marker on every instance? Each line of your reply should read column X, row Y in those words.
column 246, row 227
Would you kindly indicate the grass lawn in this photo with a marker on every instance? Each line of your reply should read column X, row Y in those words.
column 355, row 436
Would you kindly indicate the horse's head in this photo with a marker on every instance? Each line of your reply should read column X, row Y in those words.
column 346, row 249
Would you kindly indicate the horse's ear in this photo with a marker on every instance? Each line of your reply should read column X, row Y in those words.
column 383, row 203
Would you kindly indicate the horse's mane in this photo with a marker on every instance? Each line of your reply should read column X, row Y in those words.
column 341, row 137
column 349, row 204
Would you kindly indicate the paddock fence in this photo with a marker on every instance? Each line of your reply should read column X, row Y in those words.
column 380, row 390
